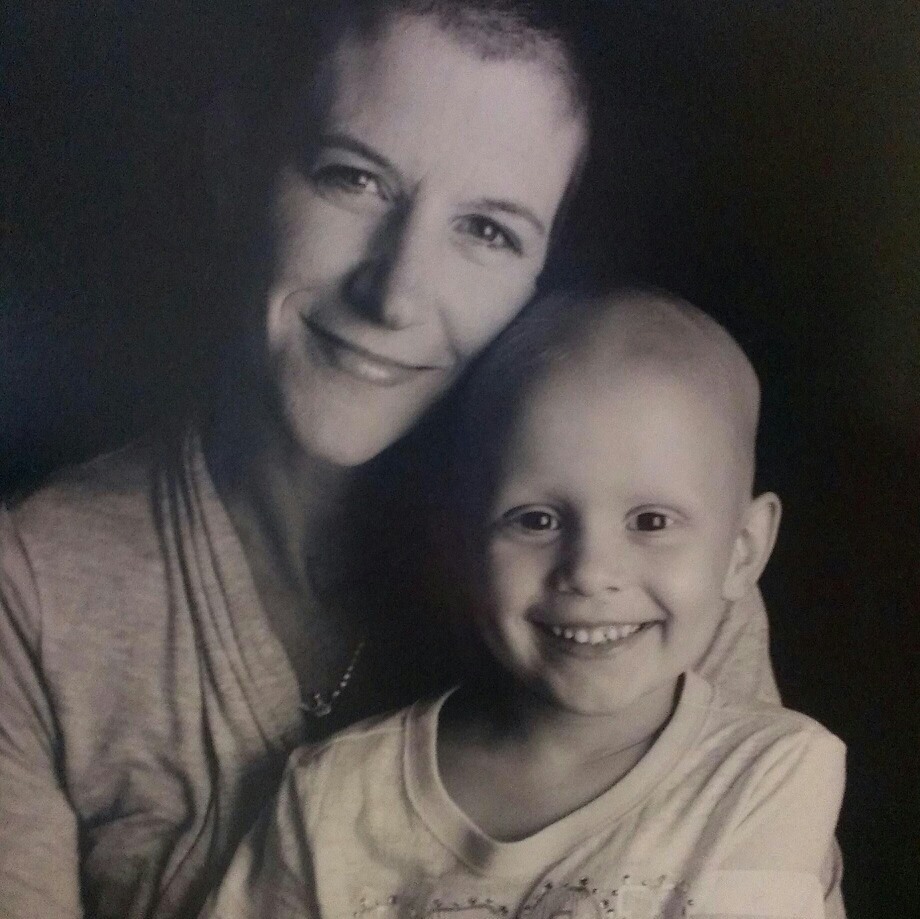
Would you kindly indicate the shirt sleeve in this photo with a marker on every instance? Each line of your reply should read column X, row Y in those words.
column 39, row 873
column 776, row 857
column 271, row 875
column 738, row 663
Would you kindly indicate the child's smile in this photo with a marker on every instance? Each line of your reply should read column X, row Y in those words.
column 612, row 529
column 586, row 639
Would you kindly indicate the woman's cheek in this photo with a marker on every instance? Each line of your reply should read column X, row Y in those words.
column 486, row 300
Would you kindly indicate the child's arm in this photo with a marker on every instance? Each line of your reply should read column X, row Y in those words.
column 271, row 875
column 773, row 859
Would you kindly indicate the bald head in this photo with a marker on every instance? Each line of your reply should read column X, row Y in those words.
column 566, row 339
column 638, row 330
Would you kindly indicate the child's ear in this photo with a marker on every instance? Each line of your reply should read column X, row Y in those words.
column 753, row 545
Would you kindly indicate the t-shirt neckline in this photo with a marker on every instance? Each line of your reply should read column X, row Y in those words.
column 265, row 675
column 486, row 855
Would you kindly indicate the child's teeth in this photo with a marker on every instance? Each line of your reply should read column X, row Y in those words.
column 596, row 636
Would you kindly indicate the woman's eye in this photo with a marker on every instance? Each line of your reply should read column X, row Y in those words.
column 351, row 180
column 486, row 232
column 650, row 522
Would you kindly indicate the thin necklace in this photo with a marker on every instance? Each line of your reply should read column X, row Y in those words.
column 318, row 705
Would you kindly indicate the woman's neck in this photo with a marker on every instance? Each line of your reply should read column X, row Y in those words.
column 282, row 501
column 290, row 514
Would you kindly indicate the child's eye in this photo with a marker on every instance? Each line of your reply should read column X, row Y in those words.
column 532, row 522
column 650, row 522
column 341, row 178
column 485, row 232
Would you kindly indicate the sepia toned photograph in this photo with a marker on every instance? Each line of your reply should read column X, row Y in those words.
column 458, row 460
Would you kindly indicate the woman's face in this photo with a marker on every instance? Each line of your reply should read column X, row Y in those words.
column 411, row 233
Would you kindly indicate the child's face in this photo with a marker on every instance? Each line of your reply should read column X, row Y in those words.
column 610, row 535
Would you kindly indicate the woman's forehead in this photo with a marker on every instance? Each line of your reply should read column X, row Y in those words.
column 433, row 107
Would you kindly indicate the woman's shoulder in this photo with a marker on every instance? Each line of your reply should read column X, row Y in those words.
column 106, row 499
column 89, row 528
column 93, row 486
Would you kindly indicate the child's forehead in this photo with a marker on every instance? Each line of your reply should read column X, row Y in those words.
column 634, row 393
column 650, row 370
column 645, row 338
column 598, row 375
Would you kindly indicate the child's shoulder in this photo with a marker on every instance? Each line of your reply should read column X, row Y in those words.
column 363, row 743
column 353, row 741
column 769, row 733
column 755, row 714
column 355, row 765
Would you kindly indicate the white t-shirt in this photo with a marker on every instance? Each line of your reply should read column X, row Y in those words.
column 731, row 813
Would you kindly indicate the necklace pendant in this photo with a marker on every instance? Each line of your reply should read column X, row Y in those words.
column 317, row 706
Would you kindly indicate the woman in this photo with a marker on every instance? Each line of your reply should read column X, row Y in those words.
column 175, row 620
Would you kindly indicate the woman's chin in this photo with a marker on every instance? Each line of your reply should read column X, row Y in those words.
column 346, row 446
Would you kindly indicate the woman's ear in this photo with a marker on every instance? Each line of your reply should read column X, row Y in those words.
column 753, row 545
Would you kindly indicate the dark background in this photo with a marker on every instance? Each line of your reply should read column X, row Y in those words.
column 762, row 158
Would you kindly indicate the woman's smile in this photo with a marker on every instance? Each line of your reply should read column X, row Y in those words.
column 366, row 365
column 409, row 231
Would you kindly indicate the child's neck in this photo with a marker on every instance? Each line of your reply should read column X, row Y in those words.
column 517, row 764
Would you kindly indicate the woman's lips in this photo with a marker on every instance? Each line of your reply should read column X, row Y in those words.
column 361, row 363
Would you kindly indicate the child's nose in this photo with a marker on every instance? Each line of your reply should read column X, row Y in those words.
column 593, row 565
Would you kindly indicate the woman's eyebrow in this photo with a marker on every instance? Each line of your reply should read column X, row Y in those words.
column 353, row 145
column 499, row 206
column 488, row 205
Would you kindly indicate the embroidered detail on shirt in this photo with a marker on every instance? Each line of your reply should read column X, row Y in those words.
column 406, row 908
column 632, row 898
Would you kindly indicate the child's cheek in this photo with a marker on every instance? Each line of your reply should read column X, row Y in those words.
column 515, row 575
column 688, row 587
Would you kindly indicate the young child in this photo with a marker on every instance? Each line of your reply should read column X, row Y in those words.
column 606, row 523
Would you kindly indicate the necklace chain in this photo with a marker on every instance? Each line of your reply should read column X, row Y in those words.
column 318, row 705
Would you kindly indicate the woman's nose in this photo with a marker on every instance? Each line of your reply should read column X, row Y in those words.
column 390, row 285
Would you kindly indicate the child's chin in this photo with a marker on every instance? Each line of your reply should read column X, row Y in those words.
column 606, row 709
column 587, row 704
column 610, row 701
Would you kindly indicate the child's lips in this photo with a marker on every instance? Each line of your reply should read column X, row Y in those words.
column 591, row 637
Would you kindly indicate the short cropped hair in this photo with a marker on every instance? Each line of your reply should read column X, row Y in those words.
column 494, row 29
column 285, row 78
column 265, row 111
